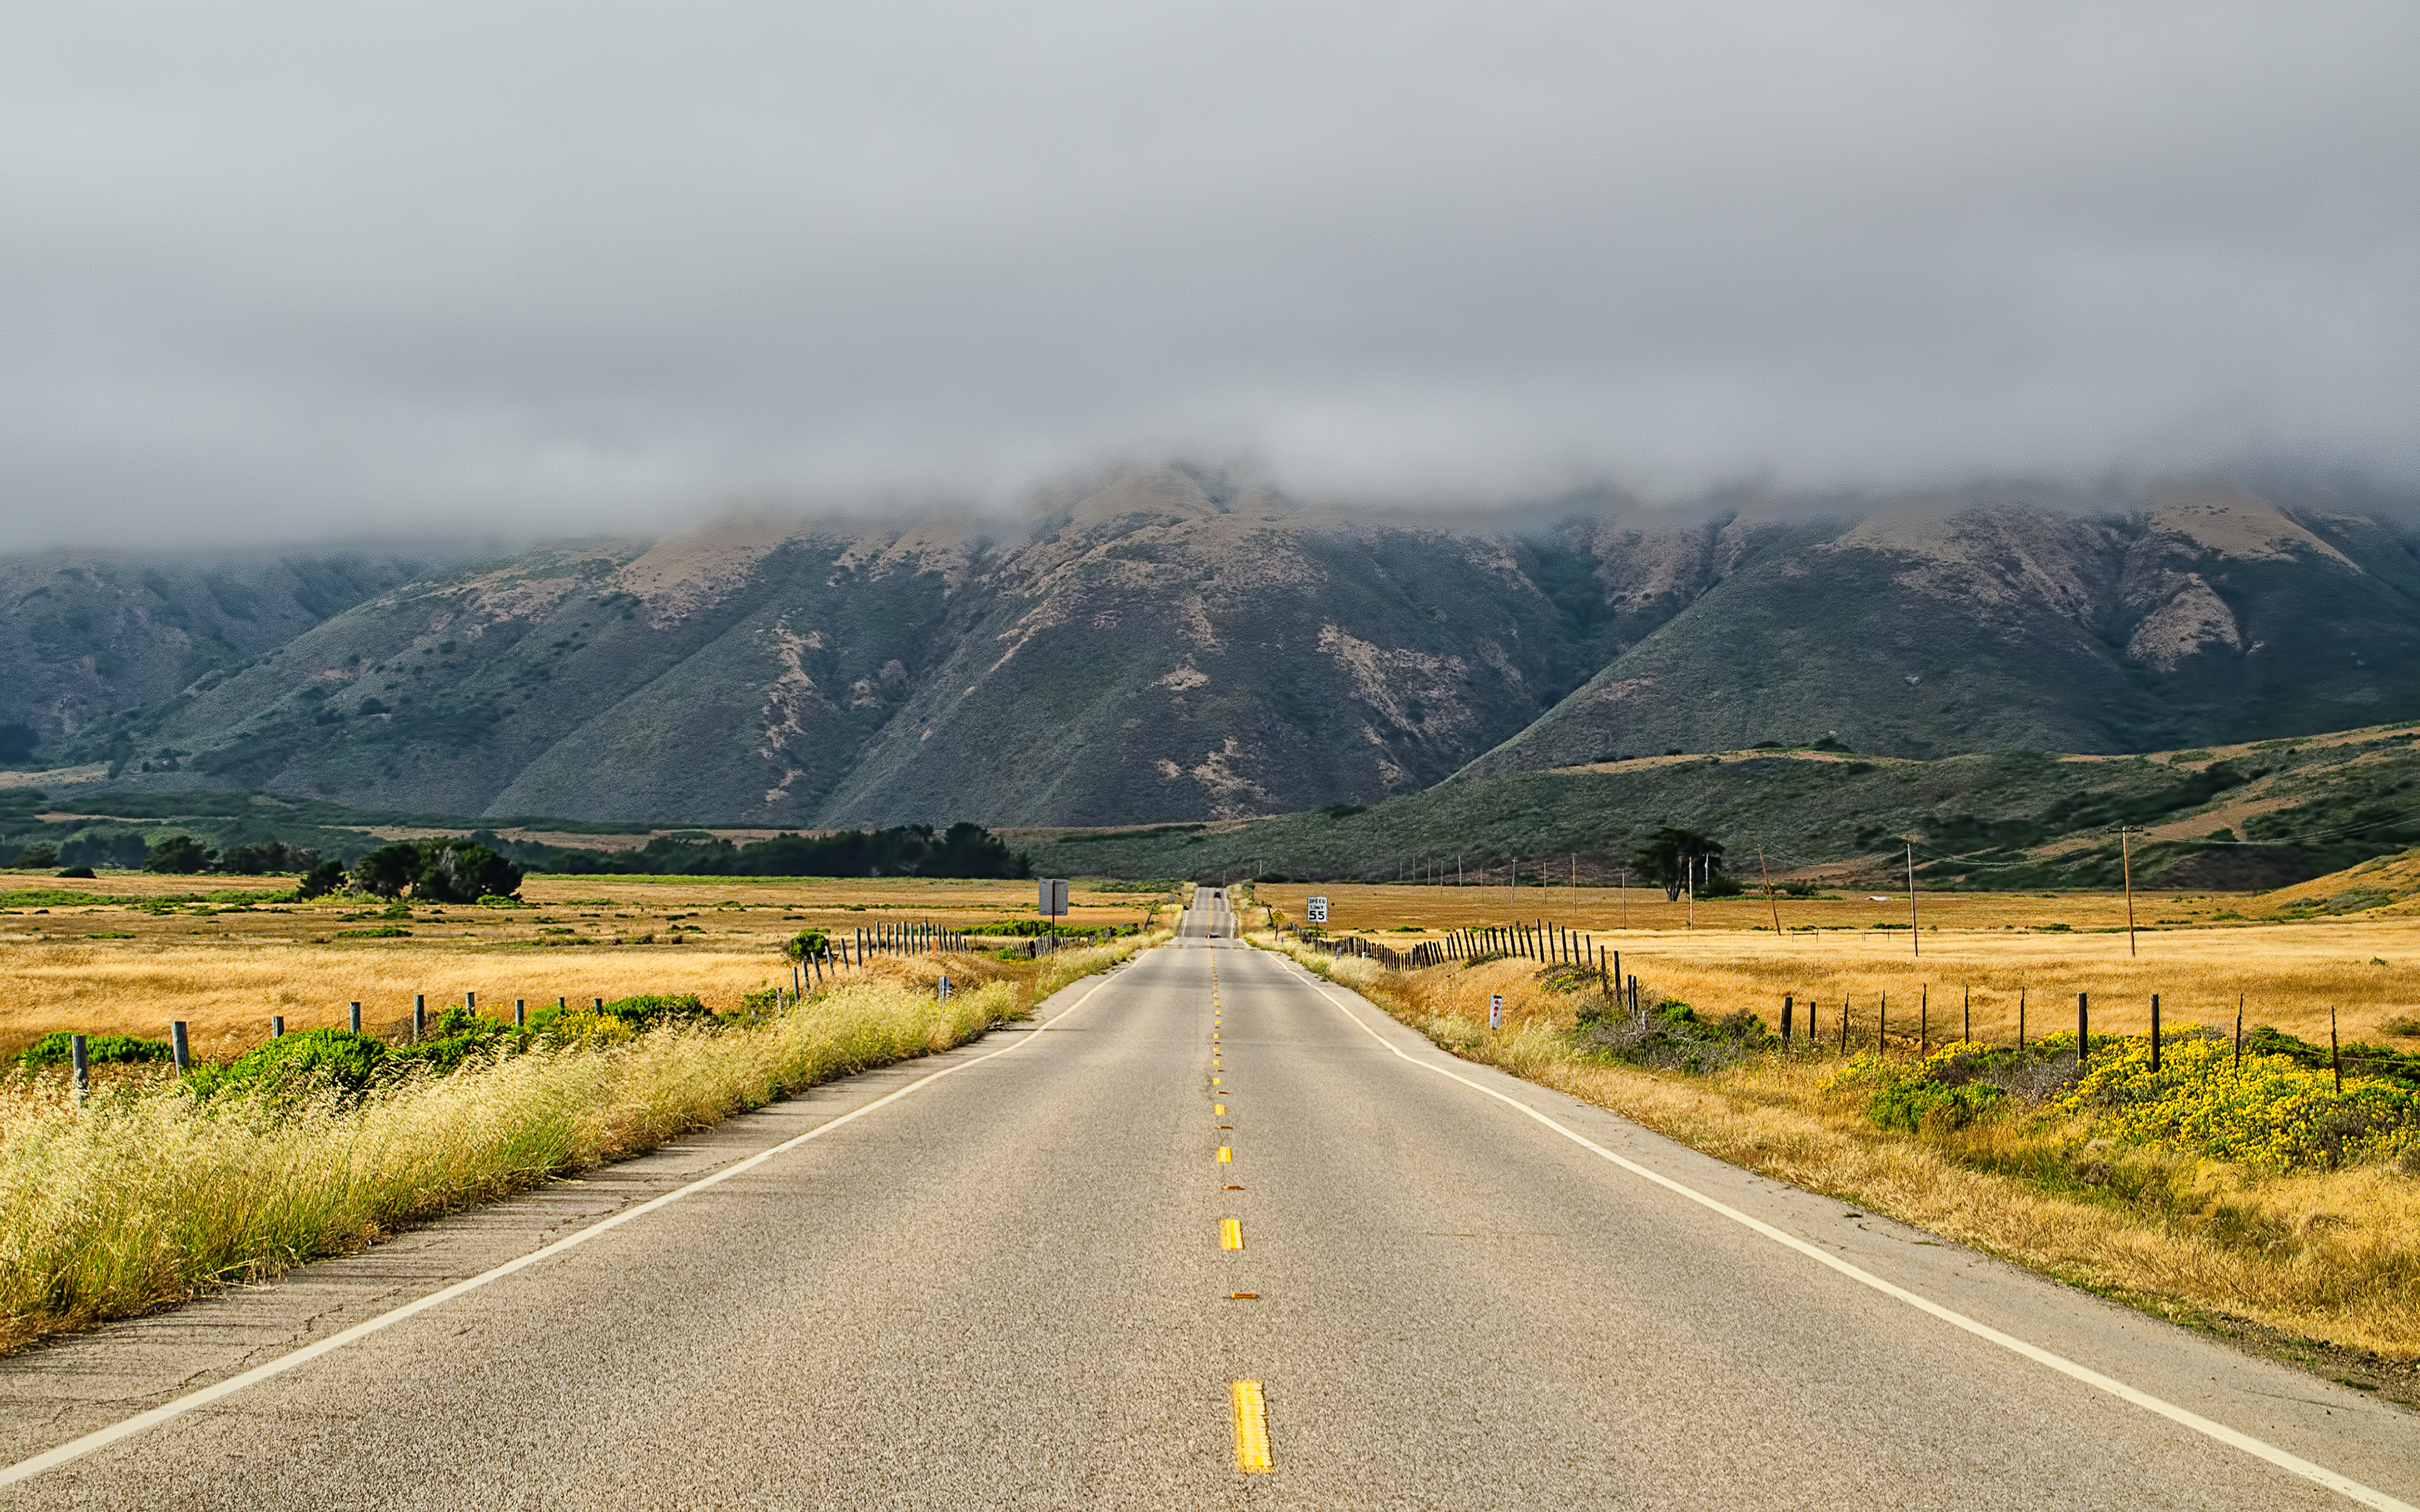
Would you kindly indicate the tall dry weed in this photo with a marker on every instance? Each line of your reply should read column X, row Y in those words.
column 144, row 1195
column 2332, row 1257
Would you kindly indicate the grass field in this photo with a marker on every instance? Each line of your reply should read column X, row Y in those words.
column 111, row 966
column 1994, row 946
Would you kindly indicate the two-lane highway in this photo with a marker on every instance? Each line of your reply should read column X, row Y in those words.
column 1220, row 1234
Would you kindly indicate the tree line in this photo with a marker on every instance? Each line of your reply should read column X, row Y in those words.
column 963, row 850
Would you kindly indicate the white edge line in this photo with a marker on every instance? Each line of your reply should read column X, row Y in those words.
column 102, row 1437
column 2292, row 1464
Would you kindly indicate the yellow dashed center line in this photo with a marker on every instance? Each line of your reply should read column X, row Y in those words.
column 1252, row 1428
column 1251, row 1403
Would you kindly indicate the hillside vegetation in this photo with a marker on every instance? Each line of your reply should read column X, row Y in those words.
column 2240, row 817
column 2227, row 818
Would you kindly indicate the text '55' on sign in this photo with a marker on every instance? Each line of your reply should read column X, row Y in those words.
column 1314, row 910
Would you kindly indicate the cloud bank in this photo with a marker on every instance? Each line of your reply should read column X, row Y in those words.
column 291, row 271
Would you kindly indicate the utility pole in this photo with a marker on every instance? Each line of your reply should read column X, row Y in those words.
column 2126, row 859
column 1912, row 933
column 1768, row 891
column 1689, row 878
column 1625, row 897
column 1513, row 889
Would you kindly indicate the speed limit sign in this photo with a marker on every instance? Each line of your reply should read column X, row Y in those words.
column 1314, row 910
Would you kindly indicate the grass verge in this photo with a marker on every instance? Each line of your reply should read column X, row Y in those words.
column 2321, row 1268
column 145, row 1195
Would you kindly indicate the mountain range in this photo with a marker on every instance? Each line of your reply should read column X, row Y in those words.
column 1167, row 645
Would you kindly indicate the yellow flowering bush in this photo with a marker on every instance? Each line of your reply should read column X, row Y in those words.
column 2270, row 1112
column 2267, row 1111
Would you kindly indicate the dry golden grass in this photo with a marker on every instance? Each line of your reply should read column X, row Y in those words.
column 141, row 1195
column 2329, row 1256
column 226, row 973
column 1608, row 911
column 2290, row 975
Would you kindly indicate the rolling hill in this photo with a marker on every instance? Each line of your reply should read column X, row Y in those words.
column 1166, row 646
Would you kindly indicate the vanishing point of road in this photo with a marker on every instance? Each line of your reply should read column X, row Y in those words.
column 1211, row 1233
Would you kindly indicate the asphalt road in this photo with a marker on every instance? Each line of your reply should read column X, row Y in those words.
column 1011, row 1286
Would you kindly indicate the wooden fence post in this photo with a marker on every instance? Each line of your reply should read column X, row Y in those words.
column 179, row 1048
column 355, row 1017
column 2083, row 1030
column 80, row 1058
column 520, row 1013
column 2334, row 1064
column 2155, row 1033
column 419, row 1016
column 277, row 1026
column 1785, row 1020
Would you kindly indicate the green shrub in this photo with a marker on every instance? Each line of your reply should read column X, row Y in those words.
column 1671, row 1036
column 806, row 943
column 458, row 1034
column 634, row 1014
column 296, row 1065
column 99, row 1050
column 1917, row 1105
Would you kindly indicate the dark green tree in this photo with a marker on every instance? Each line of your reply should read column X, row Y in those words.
column 463, row 871
column 38, row 855
column 389, row 870
column 268, row 856
column 327, row 877
column 179, row 855
column 1671, row 851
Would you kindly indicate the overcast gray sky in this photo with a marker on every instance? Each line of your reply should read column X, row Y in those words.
column 310, row 270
